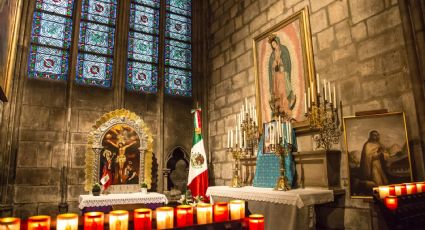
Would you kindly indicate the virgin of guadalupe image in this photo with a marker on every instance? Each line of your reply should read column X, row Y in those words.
column 280, row 86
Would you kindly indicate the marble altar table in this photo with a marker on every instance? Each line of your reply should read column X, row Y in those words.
column 105, row 203
column 292, row 209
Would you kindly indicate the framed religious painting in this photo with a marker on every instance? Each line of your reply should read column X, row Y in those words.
column 284, row 69
column 378, row 152
column 269, row 138
column 10, row 13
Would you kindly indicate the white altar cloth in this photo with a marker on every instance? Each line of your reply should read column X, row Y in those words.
column 298, row 197
column 119, row 199
column 284, row 210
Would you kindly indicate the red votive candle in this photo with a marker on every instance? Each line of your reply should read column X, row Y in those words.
column 142, row 218
column 39, row 223
column 256, row 222
column 420, row 187
column 400, row 189
column 184, row 214
column 391, row 202
column 410, row 188
column 391, row 191
column 221, row 211
column 10, row 223
column 93, row 221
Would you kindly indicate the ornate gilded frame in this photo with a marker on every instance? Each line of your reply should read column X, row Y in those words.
column 346, row 145
column 307, row 55
column 94, row 147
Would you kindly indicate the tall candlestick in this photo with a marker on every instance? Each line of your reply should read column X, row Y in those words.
column 228, row 138
column 231, row 138
column 329, row 91
column 324, row 89
column 244, row 139
column 334, row 97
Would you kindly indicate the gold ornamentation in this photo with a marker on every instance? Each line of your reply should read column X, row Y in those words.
column 99, row 129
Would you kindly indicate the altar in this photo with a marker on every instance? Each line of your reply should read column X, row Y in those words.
column 107, row 203
column 293, row 209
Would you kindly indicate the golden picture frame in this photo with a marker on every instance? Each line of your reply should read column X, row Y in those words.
column 378, row 153
column 283, row 65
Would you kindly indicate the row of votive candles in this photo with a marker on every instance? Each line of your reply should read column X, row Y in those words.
column 118, row 220
column 401, row 189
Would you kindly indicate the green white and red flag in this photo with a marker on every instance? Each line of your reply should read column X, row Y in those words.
column 198, row 169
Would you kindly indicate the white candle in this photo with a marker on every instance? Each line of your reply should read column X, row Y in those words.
column 228, row 139
column 290, row 132
column 334, row 97
column 305, row 102
column 287, row 132
column 236, row 135
column 246, row 103
column 318, row 83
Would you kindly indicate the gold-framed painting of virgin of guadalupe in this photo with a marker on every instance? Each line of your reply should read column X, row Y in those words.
column 284, row 69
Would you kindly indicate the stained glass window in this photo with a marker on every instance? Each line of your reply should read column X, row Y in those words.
column 50, row 39
column 142, row 70
column 96, row 43
column 178, row 49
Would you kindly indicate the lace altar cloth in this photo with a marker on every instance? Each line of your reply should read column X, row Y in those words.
column 298, row 197
column 117, row 199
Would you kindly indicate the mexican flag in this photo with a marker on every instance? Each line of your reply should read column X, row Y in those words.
column 198, row 170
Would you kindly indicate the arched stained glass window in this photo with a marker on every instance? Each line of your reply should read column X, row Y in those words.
column 178, row 48
column 96, row 43
column 51, row 39
column 142, row 64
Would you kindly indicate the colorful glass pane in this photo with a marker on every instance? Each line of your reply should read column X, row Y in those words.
column 151, row 3
column 48, row 63
column 178, row 82
column 144, row 19
column 142, row 77
column 178, row 54
column 94, row 70
column 100, row 11
column 143, row 47
column 178, row 27
column 96, row 38
column 51, row 30
column 183, row 7
column 63, row 7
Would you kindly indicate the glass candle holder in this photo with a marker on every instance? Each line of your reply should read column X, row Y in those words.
column 10, row 223
column 118, row 220
column 256, row 222
column 221, row 211
column 142, row 218
column 383, row 191
column 67, row 221
column 184, row 215
column 39, row 223
column 164, row 217
column 420, row 187
column 93, row 221
column 204, row 213
column 391, row 202
column 400, row 189
column 237, row 209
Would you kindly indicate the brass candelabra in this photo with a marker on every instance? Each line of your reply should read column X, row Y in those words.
column 250, row 128
column 281, row 151
column 323, row 116
column 237, row 154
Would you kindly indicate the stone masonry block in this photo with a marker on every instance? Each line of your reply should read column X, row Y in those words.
column 318, row 21
column 50, row 209
column 37, row 176
column 251, row 12
column 343, row 33
column 290, row 3
column 226, row 111
column 220, row 102
column 86, row 119
column 381, row 44
column 384, row 21
column 78, row 155
column 44, row 156
column 337, row 11
column 74, row 191
column 228, row 70
column 24, row 211
column 35, row 117
column 363, row 9
column 57, row 119
column 259, row 21
column 244, row 61
column 240, row 34
column 326, row 38
column 217, row 170
column 344, row 52
column 275, row 10
column 32, row 194
column 223, row 88
column 237, row 49
column 32, row 135
column 318, row 4
column 359, row 31
column 27, row 154
column 233, row 97
column 226, row 172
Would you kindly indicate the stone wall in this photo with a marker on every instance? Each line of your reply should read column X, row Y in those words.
column 357, row 44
